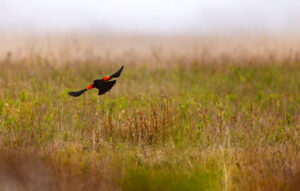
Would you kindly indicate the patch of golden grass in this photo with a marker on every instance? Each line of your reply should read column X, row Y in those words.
column 186, row 114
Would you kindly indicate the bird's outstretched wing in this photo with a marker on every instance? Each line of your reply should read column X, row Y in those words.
column 117, row 74
column 77, row 93
column 106, row 86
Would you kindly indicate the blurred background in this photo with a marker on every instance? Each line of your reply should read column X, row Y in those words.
column 150, row 17
column 140, row 28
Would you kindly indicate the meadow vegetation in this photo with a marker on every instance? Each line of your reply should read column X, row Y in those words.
column 172, row 122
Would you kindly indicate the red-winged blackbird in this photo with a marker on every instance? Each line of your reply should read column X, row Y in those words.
column 104, row 85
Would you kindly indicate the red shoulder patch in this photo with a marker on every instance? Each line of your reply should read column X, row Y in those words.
column 89, row 87
column 106, row 78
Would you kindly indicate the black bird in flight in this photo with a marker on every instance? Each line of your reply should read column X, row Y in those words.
column 104, row 85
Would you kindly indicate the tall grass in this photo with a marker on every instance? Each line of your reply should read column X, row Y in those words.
column 188, row 125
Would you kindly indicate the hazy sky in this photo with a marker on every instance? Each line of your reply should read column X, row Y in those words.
column 151, row 16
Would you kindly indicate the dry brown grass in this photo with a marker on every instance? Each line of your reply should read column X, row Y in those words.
column 189, row 113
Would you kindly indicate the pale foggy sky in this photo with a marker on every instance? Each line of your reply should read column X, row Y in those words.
column 150, row 16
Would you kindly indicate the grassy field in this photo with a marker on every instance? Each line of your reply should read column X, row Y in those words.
column 188, row 125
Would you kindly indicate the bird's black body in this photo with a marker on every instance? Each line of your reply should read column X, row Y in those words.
column 104, row 85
